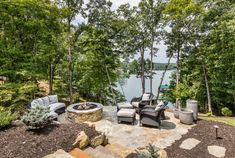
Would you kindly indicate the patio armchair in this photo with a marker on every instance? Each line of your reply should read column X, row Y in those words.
column 152, row 115
column 142, row 101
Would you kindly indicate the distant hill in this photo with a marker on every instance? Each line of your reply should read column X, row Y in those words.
column 162, row 66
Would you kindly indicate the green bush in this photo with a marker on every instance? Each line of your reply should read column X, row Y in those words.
column 209, row 114
column 226, row 112
column 152, row 152
column 37, row 117
column 6, row 117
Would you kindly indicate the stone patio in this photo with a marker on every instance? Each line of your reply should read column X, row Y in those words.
column 125, row 138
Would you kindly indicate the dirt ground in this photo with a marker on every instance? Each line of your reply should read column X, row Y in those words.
column 18, row 142
column 204, row 131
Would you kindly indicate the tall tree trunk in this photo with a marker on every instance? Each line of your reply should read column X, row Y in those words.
column 177, row 75
column 51, row 79
column 70, row 72
column 70, row 68
column 151, row 49
column 163, row 75
column 207, row 88
column 142, row 71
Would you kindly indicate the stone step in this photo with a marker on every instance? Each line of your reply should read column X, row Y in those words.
column 101, row 152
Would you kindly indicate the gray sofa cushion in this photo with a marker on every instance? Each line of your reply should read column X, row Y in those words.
column 46, row 101
column 37, row 102
column 53, row 114
column 56, row 106
column 53, row 99
column 126, row 113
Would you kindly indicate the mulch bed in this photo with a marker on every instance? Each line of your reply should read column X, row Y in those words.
column 18, row 142
column 204, row 131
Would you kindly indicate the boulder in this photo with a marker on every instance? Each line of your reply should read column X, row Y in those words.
column 162, row 153
column 59, row 154
column 106, row 141
column 98, row 140
column 81, row 141
column 78, row 153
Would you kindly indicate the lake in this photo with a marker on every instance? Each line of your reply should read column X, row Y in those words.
column 132, row 85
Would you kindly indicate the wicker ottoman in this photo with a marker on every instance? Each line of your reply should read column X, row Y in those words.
column 126, row 115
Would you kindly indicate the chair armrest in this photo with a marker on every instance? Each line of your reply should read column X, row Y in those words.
column 149, row 107
column 147, row 110
column 135, row 99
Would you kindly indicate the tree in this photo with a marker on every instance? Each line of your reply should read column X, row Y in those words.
column 74, row 7
column 141, row 32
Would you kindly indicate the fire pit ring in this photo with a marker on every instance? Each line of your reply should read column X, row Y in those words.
column 82, row 114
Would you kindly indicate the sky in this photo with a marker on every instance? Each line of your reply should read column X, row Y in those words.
column 161, row 54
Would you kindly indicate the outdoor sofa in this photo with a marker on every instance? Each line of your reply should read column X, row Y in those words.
column 52, row 102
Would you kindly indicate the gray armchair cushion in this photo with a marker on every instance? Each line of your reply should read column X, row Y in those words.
column 135, row 104
column 159, row 106
column 125, row 105
column 150, row 112
column 146, row 96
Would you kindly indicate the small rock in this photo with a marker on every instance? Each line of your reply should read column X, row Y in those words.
column 189, row 143
column 56, row 122
column 78, row 153
column 162, row 153
column 81, row 141
column 216, row 151
column 18, row 123
column 98, row 140
column 59, row 154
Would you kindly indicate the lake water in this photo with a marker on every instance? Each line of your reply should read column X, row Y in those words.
column 132, row 85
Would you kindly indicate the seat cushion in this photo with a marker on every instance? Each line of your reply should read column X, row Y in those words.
column 37, row 102
column 135, row 104
column 46, row 101
column 56, row 106
column 124, row 105
column 149, row 112
column 53, row 99
column 146, row 96
column 126, row 113
column 53, row 115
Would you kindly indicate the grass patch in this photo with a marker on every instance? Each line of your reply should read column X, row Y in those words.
column 228, row 120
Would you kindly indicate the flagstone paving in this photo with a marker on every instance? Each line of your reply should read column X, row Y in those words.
column 126, row 138
column 189, row 143
column 216, row 151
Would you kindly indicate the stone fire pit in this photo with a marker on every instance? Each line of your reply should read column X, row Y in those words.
column 86, row 111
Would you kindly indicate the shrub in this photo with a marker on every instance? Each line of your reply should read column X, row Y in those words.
column 209, row 114
column 6, row 117
column 152, row 152
column 37, row 117
column 226, row 112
